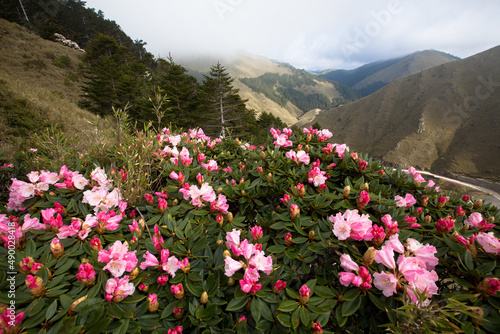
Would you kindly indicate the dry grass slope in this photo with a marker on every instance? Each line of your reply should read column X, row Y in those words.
column 45, row 75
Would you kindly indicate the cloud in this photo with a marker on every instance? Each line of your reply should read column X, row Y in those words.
column 316, row 34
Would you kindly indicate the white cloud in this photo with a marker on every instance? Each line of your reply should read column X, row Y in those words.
column 316, row 34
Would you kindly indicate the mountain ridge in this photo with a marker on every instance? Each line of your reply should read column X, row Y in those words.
column 433, row 119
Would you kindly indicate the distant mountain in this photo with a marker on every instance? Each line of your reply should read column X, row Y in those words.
column 444, row 119
column 373, row 76
column 277, row 88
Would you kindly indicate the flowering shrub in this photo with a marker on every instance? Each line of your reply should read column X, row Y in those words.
column 298, row 236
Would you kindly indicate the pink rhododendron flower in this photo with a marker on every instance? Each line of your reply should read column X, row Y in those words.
column 489, row 242
column 86, row 274
column 386, row 283
column 347, row 263
column 395, row 243
column 407, row 201
column 385, row 256
column 445, row 225
column 391, row 227
column 316, row 176
column 352, row 225
column 118, row 259
column 118, row 288
column 231, row 266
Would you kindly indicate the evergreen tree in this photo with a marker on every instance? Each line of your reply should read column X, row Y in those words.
column 114, row 78
column 181, row 90
column 222, row 111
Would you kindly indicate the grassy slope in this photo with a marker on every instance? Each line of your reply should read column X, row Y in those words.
column 40, row 77
column 386, row 124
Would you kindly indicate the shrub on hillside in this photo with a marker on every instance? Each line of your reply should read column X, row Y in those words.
column 298, row 236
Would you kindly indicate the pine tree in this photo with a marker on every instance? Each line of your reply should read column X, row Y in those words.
column 181, row 90
column 223, row 112
column 114, row 78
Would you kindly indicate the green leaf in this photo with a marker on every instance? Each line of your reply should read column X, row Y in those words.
column 350, row 306
column 51, row 310
column 284, row 320
column 487, row 267
column 266, row 311
column 196, row 290
column 288, row 306
column 237, row 304
column 255, row 309
column 469, row 262
column 351, row 294
column 276, row 248
column 295, row 319
column 377, row 301
column 65, row 267
column 30, row 248
column 304, row 316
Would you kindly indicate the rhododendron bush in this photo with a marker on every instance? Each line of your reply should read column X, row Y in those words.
column 302, row 235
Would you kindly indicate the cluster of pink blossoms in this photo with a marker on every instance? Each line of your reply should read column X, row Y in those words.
column 300, row 156
column 406, row 201
column 416, row 265
column 339, row 149
column 489, row 242
column 358, row 276
column 476, row 220
column 10, row 228
column 352, row 225
column 20, row 191
column 118, row 259
column 322, row 134
column 204, row 193
column 420, row 179
column 282, row 139
column 255, row 261
column 104, row 221
column 169, row 264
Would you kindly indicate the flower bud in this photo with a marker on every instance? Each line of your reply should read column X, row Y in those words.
column 178, row 291
column 278, row 286
column 95, row 244
column 57, row 248
column 427, row 219
column 288, row 239
column 478, row 203
column 269, row 178
column 311, row 235
column 226, row 253
column 229, row 217
column 479, row 315
column 316, row 328
column 304, row 294
column 488, row 286
column 75, row 303
column 425, row 201
column 369, row 256
column 294, row 211
column 134, row 273
column 178, row 313
column 346, row 192
column 204, row 297
column 491, row 220
column 230, row 281
column 35, row 285
column 262, row 155
column 365, row 187
column 153, row 303
column 144, row 287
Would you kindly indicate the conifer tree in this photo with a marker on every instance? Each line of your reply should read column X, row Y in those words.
column 114, row 78
column 223, row 112
column 181, row 90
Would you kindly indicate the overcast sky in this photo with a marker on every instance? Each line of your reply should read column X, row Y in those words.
column 308, row 34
